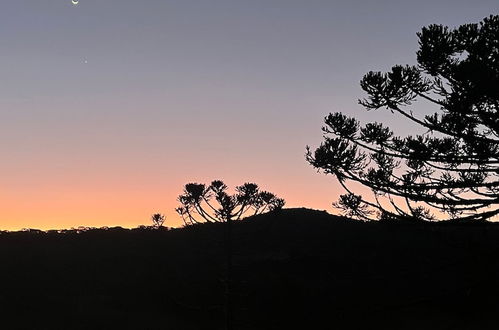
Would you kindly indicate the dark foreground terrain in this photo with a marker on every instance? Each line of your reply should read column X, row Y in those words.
column 298, row 269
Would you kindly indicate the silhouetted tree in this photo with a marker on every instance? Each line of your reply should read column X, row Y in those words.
column 450, row 171
column 157, row 220
column 197, row 202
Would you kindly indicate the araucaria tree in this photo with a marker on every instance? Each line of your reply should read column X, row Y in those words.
column 213, row 204
column 451, row 169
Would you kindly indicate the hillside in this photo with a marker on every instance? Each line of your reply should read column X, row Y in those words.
column 295, row 269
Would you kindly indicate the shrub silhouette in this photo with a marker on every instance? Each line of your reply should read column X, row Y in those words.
column 449, row 172
column 157, row 220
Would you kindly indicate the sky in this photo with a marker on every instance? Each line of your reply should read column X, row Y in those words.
column 109, row 107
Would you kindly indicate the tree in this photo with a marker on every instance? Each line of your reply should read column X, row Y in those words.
column 157, row 220
column 197, row 202
column 451, row 170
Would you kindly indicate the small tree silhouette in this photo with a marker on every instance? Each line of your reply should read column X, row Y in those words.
column 452, row 170
column 158, row 220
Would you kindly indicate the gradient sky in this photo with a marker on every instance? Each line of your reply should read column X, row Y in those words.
column 109, row 107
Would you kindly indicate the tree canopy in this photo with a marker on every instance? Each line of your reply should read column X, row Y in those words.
column 451, row 170
column 213, row 203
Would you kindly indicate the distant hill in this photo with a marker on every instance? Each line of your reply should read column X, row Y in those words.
column 294, row 269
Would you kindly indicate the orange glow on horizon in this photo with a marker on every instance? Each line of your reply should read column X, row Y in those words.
column 129, row 206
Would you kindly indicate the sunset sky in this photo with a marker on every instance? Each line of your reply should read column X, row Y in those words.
column 109, row 107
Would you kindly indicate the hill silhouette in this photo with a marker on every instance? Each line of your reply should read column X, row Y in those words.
column 294, row 269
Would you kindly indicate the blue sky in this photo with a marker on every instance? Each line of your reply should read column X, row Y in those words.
column 107, row 108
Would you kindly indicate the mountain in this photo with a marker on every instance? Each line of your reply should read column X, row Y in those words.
column 293, row 269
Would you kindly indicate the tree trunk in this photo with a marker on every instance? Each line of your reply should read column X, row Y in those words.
column 228, row 279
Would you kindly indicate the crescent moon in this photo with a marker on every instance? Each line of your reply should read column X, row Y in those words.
column 75, row 2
